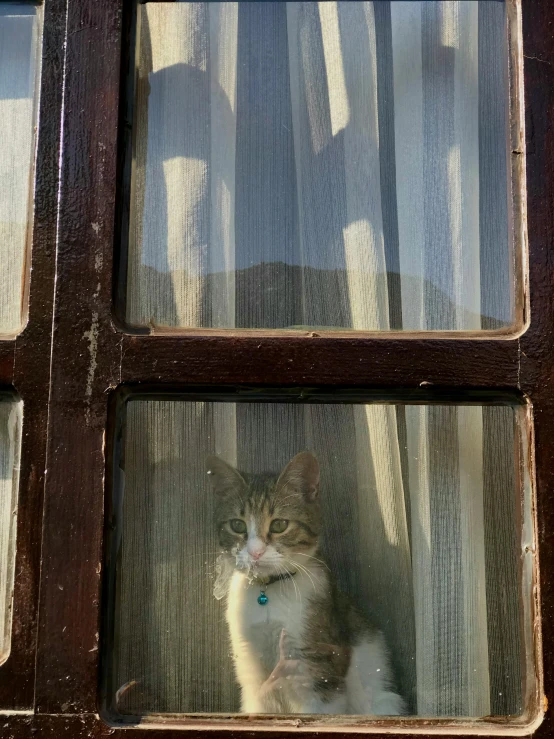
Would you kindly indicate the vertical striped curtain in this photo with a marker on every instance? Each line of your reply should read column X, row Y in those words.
column 10, row 437
column 19, row 44
column 336, row 164
column 420, row 528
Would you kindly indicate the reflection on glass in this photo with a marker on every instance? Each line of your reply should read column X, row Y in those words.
column 333, row 164
column 19, row 60
column 318, row 558
column 10, row 438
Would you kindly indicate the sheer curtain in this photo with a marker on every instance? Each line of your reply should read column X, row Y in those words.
column 19, row 37
column 341, row 165
column 420, row 527
column 333, row 164
column 10, row 429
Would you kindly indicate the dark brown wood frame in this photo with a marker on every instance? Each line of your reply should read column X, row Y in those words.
column 72, row 356
column 25, row 366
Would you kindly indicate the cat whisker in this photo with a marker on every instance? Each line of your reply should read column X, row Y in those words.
column 303, row 569
column 301, row 554
column 296, row 588
column 290, row 561
column 281, row 571
column 290, row 574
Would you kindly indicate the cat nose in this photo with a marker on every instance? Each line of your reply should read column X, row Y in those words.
column 256, row 551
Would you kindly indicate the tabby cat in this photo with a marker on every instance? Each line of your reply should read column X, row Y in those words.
column 299, row 645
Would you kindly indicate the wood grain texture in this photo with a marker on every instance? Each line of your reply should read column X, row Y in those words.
column 267, row 360
column 537, row 345
column 7, row 349
column 89, row 726
column 25, row 366
column 84, row 362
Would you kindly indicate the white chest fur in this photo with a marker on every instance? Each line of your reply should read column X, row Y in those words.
column 256, row 631
column 257, row 628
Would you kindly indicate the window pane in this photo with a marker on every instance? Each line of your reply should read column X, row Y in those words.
column 418, row 516
column 10, row 440
column 19, row 62
column 338, row 165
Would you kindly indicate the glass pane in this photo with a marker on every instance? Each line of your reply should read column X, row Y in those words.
column 339, row 165
column 10, row 439
column 19, row 63
column 222, row 581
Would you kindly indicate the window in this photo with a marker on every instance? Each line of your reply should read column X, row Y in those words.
column 341, row 166
column 81, row 365
column 10, row 438
column 19, row 65
column 421, row 523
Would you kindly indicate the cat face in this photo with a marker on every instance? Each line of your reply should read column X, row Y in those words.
column 269, row 523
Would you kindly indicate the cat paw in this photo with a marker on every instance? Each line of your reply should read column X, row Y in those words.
column 389, row 704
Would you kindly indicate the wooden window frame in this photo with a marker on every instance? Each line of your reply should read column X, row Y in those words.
column 72, row 357
column 25, row 368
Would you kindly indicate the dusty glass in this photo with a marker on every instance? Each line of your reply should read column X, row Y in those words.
column 333, row 165
column 11, row 413
column 20, row 40
column 231, row 522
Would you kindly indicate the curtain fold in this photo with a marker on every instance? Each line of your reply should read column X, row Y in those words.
column 445, row 593
column 340, row 165
column 325, row 164
column 332, row 51
column 10, row 430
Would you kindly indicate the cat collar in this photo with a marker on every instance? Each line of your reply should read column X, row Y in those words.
column 266, row 581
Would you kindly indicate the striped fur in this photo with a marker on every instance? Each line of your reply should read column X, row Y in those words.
column 309, row 650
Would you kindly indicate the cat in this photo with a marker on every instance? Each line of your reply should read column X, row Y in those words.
column 299, row 645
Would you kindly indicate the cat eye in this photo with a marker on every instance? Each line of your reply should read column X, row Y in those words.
column 278, row 525
column 237, row 525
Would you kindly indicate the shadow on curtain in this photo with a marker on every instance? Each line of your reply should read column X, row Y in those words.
column 325, row 164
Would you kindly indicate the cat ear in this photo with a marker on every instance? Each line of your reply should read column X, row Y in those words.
column 224, row 478
column 302, row 474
